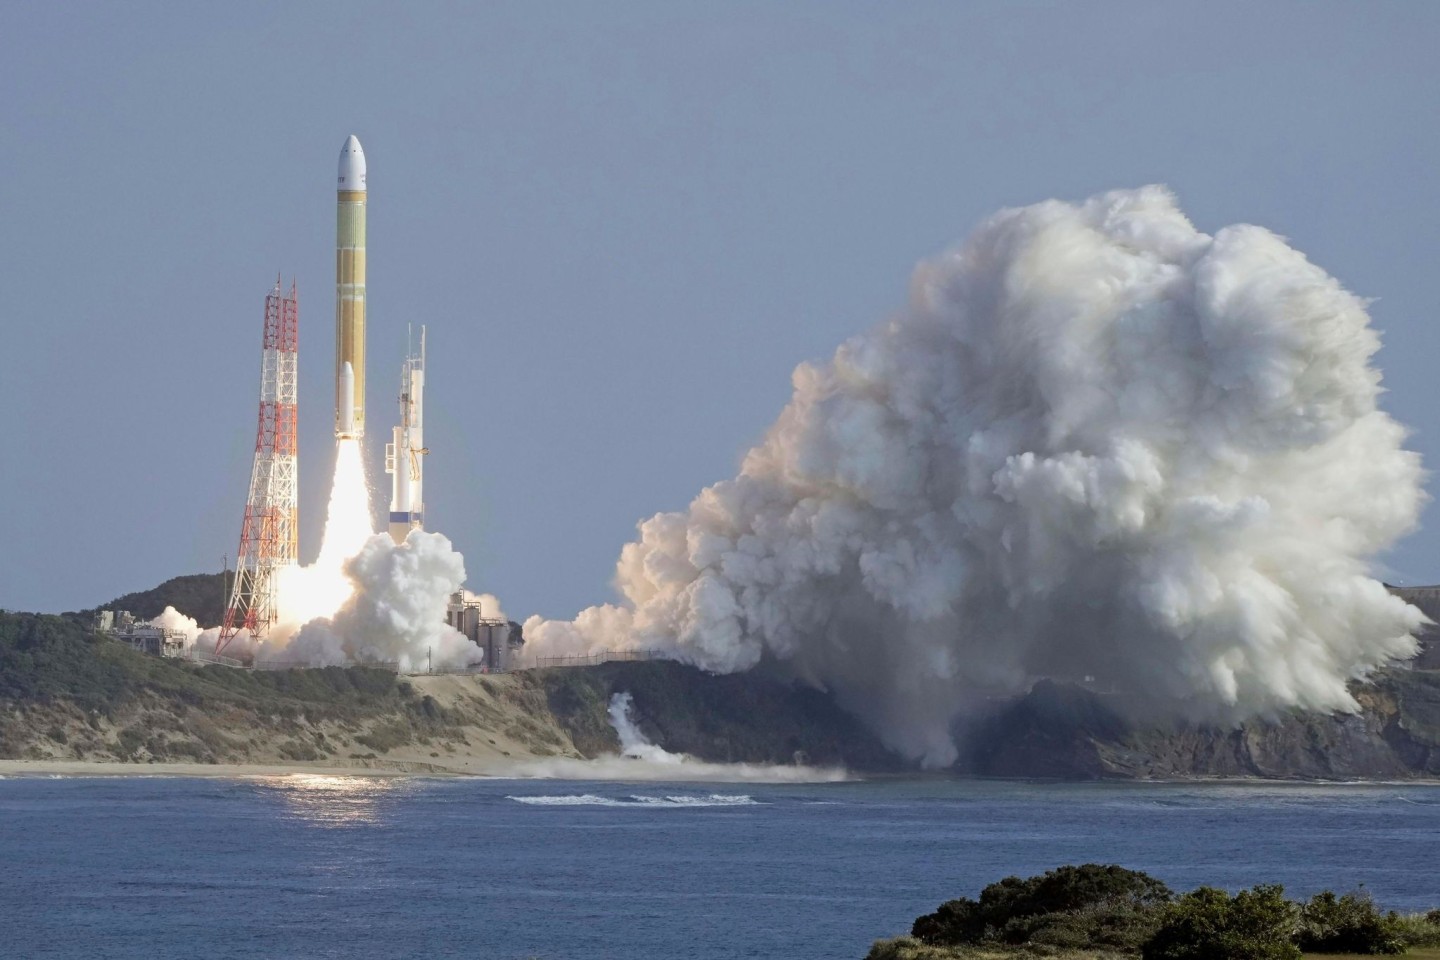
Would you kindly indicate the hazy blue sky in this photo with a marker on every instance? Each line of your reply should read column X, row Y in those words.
column 624, row 225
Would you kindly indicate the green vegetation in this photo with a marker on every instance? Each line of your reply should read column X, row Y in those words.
column 1085, row 906
column 1105, row 912
column 47, row 658
column 198, row 595
column 1351, row 924
column 747, row 717
column 66, row 692
column 1210, row 924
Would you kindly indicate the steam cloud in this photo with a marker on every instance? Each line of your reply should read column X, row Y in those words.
column 172, row 619
column 397, row 611
column 395, row 614
column 632, row 741
column 639, row 759
column 1097, row 442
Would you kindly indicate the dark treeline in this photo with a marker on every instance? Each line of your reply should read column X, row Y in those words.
column 199, row 595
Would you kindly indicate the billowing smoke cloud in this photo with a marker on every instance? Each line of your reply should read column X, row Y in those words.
column 396, row 613
column 1097, row 443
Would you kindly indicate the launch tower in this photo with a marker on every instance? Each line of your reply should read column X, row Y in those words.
column 269, row 535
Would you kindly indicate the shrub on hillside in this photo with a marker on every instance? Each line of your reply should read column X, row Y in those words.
column 1348, row 924
column 1209, row 924
column 1090, row 905
column 906, row 948
column 1420, row 929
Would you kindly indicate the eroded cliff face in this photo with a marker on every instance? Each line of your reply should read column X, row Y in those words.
column 748, row 717
column 1055, row 731
column 1066, row 732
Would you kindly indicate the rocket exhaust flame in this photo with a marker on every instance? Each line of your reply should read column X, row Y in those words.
column 320, row 589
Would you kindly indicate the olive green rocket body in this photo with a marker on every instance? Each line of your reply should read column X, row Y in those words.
column 350, row 293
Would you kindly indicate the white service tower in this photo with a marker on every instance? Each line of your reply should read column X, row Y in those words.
column 403, row 458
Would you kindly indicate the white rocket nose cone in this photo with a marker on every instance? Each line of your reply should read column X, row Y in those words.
column 352, row 165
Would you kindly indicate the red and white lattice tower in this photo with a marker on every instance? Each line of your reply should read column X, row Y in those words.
column 269, row 536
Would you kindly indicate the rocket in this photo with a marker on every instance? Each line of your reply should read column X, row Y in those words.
column 403, row 457
column 350, row 293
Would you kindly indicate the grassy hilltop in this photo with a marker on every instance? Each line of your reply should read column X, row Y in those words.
column 199, row 595
column 68, row 694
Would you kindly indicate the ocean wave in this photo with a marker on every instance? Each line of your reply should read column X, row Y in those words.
column 638, row 800
column 612, row 767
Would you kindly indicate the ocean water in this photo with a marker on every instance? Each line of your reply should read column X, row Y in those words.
column 356, row 867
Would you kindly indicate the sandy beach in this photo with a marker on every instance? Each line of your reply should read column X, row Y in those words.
column 536, row 768
column 107, row 768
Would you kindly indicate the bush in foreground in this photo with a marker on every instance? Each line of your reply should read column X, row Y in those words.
column 908, row 948
column 1092, row 905
column 1095, row 912
column 1419, row 929
column 1210, row 924
column 1348, row 924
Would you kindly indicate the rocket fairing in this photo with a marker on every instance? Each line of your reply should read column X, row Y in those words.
column 350, row 293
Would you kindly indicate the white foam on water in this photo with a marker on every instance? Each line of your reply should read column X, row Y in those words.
column 639, row 800
column 630, row 770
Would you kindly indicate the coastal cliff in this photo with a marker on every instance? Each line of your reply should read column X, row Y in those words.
column 1063, row 731
column 69, row 695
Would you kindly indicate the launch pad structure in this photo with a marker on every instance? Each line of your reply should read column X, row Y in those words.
column 270, row 532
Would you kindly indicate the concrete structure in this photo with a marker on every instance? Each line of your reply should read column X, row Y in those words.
column 140, row 636
column 350, row 293
column 499, row 639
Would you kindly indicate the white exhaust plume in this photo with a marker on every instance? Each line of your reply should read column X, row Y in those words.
column 1097, row 443
column 633, row 743
column 396, row 613
column 639, row 759
column 172, row 619
column 364, row 600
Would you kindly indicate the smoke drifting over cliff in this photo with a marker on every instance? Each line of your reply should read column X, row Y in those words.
column 1096, row 442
